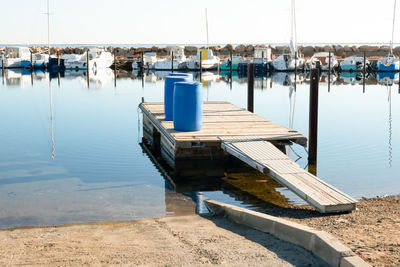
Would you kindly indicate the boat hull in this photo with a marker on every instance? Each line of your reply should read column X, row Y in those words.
column 391, row 67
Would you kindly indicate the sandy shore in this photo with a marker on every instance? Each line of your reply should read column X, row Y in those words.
column 372, row 231
column 170, row 241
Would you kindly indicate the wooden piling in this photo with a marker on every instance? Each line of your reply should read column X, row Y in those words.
column 142, row 63
column 250, row 87
column 364, row 67
column 32, row 60
column 230, row 68
column 295, row 70
column 115, row 70
column 313, row 117
column 329, row 72
column 87, row 64
column 2, row 64
column 172, row 61
column 142, row 67
column 201, row 67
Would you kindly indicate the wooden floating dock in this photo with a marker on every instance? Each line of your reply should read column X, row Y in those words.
column 228, row 129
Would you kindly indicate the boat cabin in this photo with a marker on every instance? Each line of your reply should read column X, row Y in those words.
column 17, row 52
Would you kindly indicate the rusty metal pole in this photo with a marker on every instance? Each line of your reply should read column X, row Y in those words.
column 250, row 87
column 313, row 117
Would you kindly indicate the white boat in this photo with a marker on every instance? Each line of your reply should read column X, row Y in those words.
column 321, row 60
column 149, row 59
column 178, row 62
column 205, row 57
column 353, row 64
column 16, row 57
column 293, row 60
column 98, row 59
column 208, row 60
column 40, row 60
column 262, row 55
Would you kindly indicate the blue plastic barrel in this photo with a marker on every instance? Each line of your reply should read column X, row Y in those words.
column 188, row 106
column 169, row 94
column 182, row 74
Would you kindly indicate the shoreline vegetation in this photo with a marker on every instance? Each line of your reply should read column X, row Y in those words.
column 372, row 232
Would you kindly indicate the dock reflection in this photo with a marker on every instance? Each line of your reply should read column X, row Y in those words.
column 187, row 187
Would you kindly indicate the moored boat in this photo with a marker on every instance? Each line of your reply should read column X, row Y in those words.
column 226, row 63
column 98, row 59
column 16, row 57
column 353, row 64
column 207, row 58
column 321, row 60
column 176, row 60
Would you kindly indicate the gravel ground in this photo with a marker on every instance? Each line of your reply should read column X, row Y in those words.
column 169, row 241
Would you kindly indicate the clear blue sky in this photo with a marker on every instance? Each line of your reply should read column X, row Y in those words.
column 180, row 21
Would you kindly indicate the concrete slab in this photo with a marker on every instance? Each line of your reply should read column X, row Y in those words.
column 320, row 243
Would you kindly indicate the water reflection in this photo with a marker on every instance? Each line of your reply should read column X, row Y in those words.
column 71, row 153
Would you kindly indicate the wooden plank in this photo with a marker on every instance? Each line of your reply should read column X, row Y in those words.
column 266, row 158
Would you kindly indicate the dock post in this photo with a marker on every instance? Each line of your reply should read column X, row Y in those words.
column 31, row 59
column 313, row 117
column 230, row 69
column 201, row 67
column 142, row 67
column 295, row 70
column 329, row 72
column 2, row 64
column 364, row 67
column 87, row 64
column 115, row 69
column 250, row 87
column 172, row 61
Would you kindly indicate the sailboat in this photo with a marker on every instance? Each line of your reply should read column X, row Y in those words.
column 205, row 56
column 179, row 60
column 391, row 62
column 292, row 60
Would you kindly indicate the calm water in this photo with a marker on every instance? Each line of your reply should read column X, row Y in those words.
column 72, row 152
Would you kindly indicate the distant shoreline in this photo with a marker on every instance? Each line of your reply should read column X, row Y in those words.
column 244, row 50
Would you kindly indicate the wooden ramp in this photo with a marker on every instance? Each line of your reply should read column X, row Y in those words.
column 265, row 157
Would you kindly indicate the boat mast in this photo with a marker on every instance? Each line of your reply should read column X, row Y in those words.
column 207, row 28
column 394, row 17
column 293, row 30
column 48, row 25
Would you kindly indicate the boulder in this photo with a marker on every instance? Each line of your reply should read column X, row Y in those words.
column 348, row 48
column 240, row 49
column 191, row 50
column 368, row 48
column 249, row 49
column 328, row 48
column 307, row 51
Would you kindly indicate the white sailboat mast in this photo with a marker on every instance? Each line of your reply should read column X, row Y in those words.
column 394, row 18
column 48, row 25
column 293, row 31
column 207, row 28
